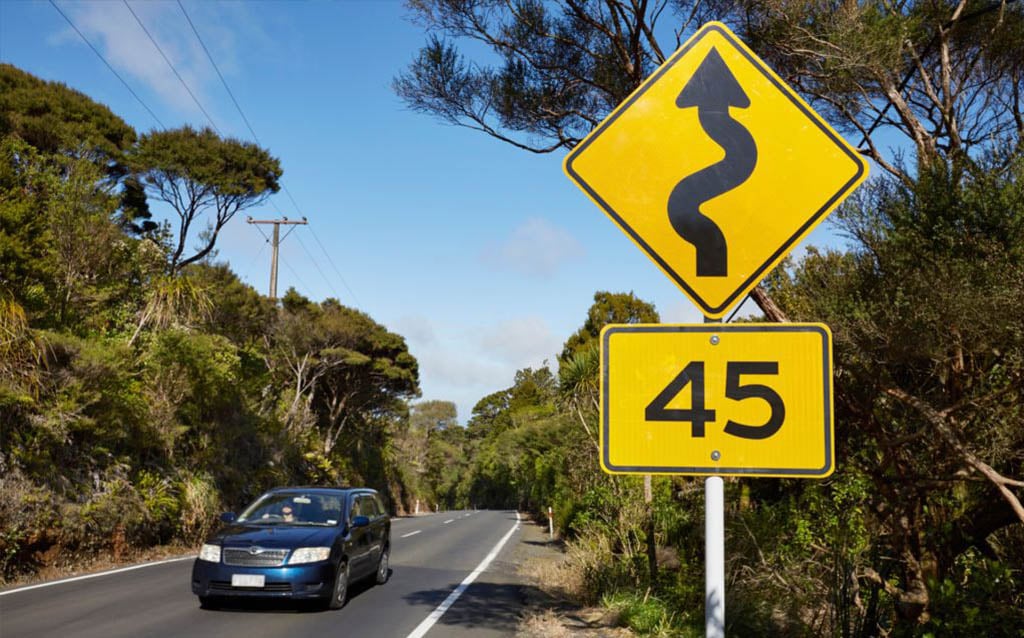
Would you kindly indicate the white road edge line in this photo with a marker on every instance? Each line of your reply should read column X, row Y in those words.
column 449, row 521
column 411, row 533
column 435, row 615
column 96, row 575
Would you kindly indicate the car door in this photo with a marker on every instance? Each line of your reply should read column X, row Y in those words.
column 375, row 513
column 359, row 541
column 383, row 523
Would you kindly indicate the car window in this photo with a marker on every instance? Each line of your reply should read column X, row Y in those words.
column 367, row 507
column 331, row 506
column 380, row 505
column 293, row 508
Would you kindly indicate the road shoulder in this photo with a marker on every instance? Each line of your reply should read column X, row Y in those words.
column 549, row 611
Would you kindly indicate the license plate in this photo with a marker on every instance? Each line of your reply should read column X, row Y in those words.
column 247, row 580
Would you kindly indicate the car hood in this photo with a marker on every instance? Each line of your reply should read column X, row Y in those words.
column 282, row 535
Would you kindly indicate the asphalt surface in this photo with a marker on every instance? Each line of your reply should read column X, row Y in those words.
column 431, row 555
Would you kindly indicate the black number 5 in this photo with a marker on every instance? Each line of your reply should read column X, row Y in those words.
column 735, row 390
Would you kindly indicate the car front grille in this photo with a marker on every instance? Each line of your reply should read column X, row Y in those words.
column 225, row 585
column 262, row 558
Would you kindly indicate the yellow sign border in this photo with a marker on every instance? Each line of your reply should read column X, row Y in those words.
column 712, row 470
column 777, row 256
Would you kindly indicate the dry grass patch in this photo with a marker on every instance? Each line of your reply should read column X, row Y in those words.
column 546, row 624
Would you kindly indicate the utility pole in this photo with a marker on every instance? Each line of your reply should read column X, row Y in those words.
column 275, row 243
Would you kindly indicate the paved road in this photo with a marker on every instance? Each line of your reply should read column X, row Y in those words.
column 431, row 555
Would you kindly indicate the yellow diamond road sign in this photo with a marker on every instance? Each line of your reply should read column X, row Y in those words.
column 715, row 168
column 707, row 399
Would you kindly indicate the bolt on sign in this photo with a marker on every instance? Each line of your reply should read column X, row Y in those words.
column 717, row 399
column 715, row 168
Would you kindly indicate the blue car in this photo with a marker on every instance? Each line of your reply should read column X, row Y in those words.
column 296, row 543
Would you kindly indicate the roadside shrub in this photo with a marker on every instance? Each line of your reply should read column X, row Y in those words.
column 599, row 569
column 647, row 615
column 114, row 517
column 160, row 499
column 27, row 524
column 200, row 504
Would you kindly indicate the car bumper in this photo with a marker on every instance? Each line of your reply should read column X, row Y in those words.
column 314, row 580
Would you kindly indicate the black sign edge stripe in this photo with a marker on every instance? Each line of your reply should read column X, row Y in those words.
column 716, row 471
column 605, row 403
column 828, row 408
column 720, row 327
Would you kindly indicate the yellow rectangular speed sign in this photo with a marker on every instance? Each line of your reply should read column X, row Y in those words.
column 717, row 399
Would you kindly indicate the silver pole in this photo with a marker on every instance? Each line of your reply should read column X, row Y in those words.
column 714, row 557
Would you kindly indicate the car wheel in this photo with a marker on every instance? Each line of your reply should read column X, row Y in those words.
column 207, row 602
column 382, row 568
column 340, row 591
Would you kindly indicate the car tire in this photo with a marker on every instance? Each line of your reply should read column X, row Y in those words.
column 383, row 566
column 339, row 593
column 207, row 602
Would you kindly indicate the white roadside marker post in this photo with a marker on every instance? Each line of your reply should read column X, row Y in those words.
column 551, row 523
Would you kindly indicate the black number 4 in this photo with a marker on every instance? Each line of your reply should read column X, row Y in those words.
column 698, row 415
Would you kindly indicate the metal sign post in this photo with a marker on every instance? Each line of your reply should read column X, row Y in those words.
column 714, row 557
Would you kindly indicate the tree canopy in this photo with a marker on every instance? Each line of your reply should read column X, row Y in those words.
column 947, row 76
column 198, row 172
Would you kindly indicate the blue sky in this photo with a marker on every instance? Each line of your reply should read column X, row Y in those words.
column 483, row 256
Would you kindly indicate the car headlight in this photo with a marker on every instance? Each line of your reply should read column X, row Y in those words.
column 309, row 555
column 210, row 553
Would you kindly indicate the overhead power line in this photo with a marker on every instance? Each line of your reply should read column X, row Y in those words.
column 255, row 137
column 219, row 74
column 338, row 272
column 112, row 70
column 317, row 266
column 297, row 278
column 173, row 70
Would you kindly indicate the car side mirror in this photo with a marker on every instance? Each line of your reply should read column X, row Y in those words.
column 360, row 521
column 228, row 517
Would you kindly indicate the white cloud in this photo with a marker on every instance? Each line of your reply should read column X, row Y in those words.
column 465, row 363
column 537, row 248
column 417, row 330
column 112, row 29
column 522, row 342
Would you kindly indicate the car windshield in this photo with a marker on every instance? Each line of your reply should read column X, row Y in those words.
column 294, row 508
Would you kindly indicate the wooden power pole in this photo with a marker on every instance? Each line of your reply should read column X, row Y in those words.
column 275, row 243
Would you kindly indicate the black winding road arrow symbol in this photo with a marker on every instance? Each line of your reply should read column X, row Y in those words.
column 712, row 89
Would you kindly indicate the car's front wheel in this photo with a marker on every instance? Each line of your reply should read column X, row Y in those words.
column 207, row 602
column 382, row 568
column 340, row 590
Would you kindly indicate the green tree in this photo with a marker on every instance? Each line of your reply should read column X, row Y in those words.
column 55, row 119
column 237, row 310
column 202, row 177
column 341, row 366
column 430, row 416
column 60, row 122
column 929, row 353
column 64, row 257
column 607, row 308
